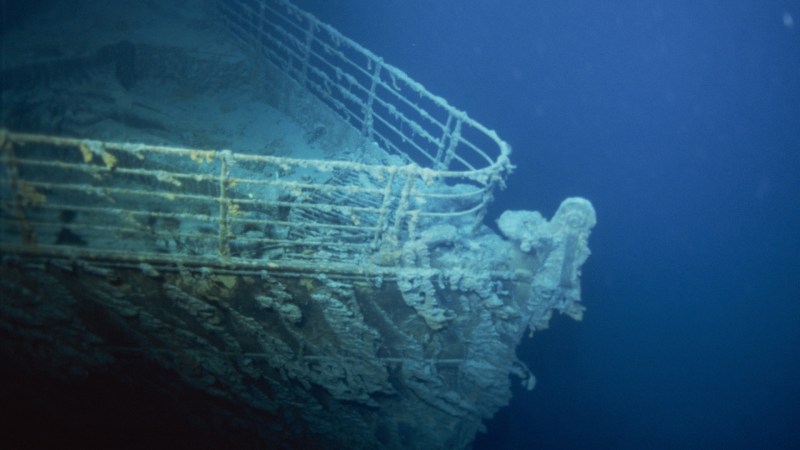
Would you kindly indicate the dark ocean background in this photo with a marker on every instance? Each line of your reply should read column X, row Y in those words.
column 680, row 121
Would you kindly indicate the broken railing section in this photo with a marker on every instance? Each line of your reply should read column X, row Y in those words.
column 556, row 250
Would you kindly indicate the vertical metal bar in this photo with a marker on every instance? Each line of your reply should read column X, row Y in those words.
column 224, row 226
column 402, row 205
column 381, row 224
column 366, row 128
column 455, row 137
column 307, row 52
column 443, row 141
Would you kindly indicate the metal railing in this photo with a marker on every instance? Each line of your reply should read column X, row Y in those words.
column 144, row 204
column 380, row 100
column 151, row 204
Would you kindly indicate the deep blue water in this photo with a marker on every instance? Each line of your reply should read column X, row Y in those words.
column 680, row 121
